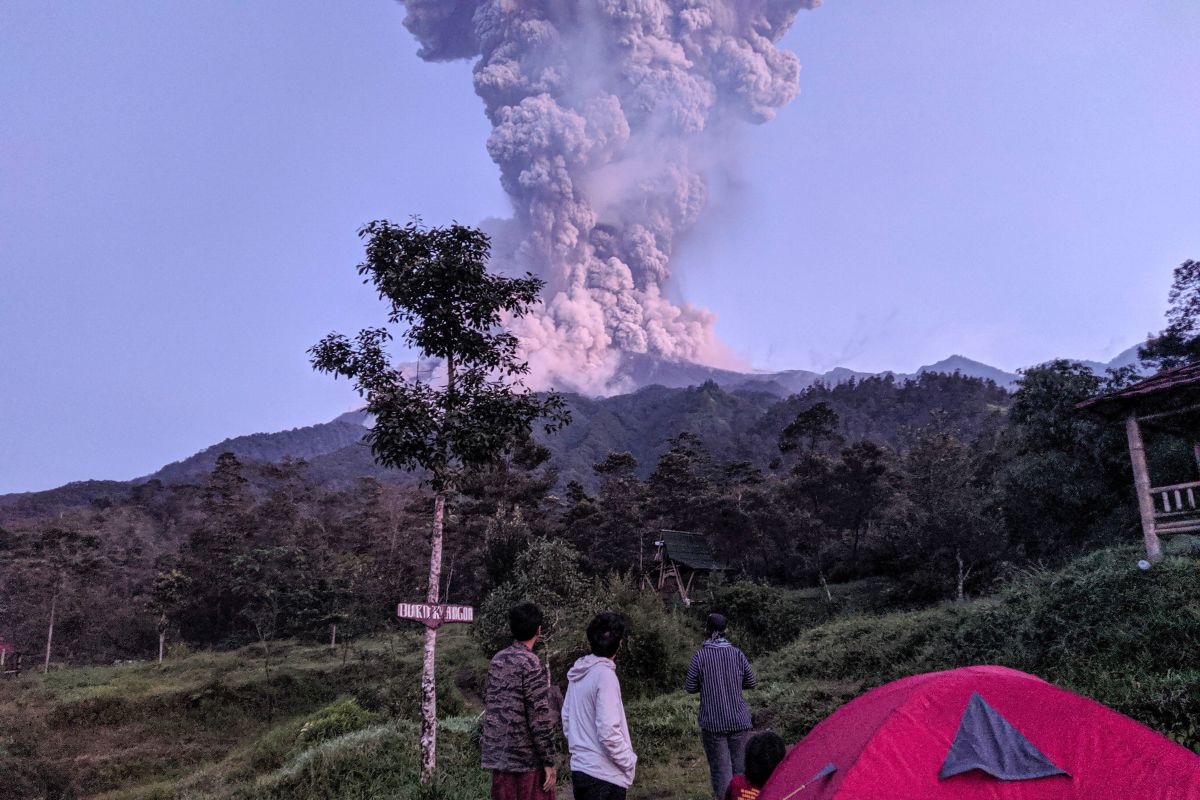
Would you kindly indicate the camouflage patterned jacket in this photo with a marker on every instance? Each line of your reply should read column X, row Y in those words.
column 518, row 723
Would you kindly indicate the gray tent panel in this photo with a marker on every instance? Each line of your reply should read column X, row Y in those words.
column 986, row 741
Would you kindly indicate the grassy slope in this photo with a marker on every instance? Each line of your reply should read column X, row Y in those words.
column 214, row 725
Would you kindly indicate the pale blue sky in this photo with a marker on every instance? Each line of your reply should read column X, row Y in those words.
column 180, row 185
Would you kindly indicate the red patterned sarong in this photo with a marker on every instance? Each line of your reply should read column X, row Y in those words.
column 520, row 786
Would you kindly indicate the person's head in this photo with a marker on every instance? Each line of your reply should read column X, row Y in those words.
column 716, row 623
column 605, row 632
column 525, row 621
column 764, row 751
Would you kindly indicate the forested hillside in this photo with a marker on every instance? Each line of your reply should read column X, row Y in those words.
column 932, row 487
column 732, row 425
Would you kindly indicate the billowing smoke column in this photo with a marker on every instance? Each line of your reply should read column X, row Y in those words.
column 608, row 117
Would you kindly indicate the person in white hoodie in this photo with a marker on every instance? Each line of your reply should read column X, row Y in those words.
column 593, row 717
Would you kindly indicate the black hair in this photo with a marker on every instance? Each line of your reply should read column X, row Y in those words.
column 524, row 621
column 605, row 632
column 716, row 623
column 764, row 751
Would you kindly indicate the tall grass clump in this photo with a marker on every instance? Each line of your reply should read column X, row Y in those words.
column 1099, row 626
column 379, row 761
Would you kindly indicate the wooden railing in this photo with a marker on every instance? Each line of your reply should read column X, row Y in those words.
column 1176, row 507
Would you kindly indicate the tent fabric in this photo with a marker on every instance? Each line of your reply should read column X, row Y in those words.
column 986, row 741
column 890, row 744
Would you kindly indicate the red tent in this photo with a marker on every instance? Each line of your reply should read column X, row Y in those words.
column 982, row 733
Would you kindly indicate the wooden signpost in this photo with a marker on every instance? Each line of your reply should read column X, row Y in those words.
column 432, row 615
column 435, row 615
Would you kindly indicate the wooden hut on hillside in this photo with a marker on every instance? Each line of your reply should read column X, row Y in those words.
column 681, row 556
column 10, row 660
column 1166, row 402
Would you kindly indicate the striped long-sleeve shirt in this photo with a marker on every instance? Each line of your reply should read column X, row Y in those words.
column 719, row 672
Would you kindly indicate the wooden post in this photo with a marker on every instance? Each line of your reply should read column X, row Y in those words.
column 1141, row 481
column 50, row 633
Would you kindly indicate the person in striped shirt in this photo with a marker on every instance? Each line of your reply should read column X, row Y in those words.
column 719, row 672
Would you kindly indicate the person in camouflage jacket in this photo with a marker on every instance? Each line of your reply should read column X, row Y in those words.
column 518, row 723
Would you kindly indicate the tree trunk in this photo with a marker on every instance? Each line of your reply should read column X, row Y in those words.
column 50, row 632
column 162, row 641
column 333, row 636
column 964, row 572
column 428, row 682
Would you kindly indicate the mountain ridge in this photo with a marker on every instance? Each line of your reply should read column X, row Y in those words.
column 335, row 452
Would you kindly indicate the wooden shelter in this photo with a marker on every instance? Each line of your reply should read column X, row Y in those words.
column 1168, row 400
column 10, row 659
column 681, row 556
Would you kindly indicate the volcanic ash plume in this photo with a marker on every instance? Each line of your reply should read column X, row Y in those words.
column 607, row 117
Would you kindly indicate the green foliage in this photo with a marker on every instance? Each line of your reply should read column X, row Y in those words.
column 1100, row 626
column 762, row 617
column 659, row 641
column 167, row 596
column 401, row 698
column 435, row 281
column 944, row 527
column 681, row 484
column 337, row 719
column 1179, row 343
column 811, row 428
column 1102, row 611
column 609, row 530
column 1063, row 475
column 546, row 573
column 792, row 709
column 381, row 761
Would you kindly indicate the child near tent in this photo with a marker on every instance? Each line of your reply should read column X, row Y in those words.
column 763, row 753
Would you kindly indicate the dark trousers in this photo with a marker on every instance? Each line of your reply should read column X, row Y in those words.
column 585, row 787
column 726, row 754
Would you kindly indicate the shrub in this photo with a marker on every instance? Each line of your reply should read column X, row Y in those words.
column 546, row 573
column 763, row 618
column 400, row 696
column 336, row 719
column 381, row 761
column 659, row 641
column 1099, row 626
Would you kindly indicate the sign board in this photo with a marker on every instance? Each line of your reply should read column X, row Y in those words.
column 435, row 615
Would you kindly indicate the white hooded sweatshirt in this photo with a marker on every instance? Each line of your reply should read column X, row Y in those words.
column 593, row 719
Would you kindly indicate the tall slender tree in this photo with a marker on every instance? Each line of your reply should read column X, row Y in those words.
column 1179, row 342
column 435, row 282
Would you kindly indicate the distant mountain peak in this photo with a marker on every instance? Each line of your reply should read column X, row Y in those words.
column 972, row 368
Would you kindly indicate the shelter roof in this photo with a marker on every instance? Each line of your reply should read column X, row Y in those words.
column 1159, row 384
column 691, row 549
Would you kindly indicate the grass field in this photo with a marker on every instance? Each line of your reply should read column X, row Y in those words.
column 319, row 723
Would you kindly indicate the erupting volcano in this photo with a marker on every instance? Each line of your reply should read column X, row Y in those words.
column 609, row 117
